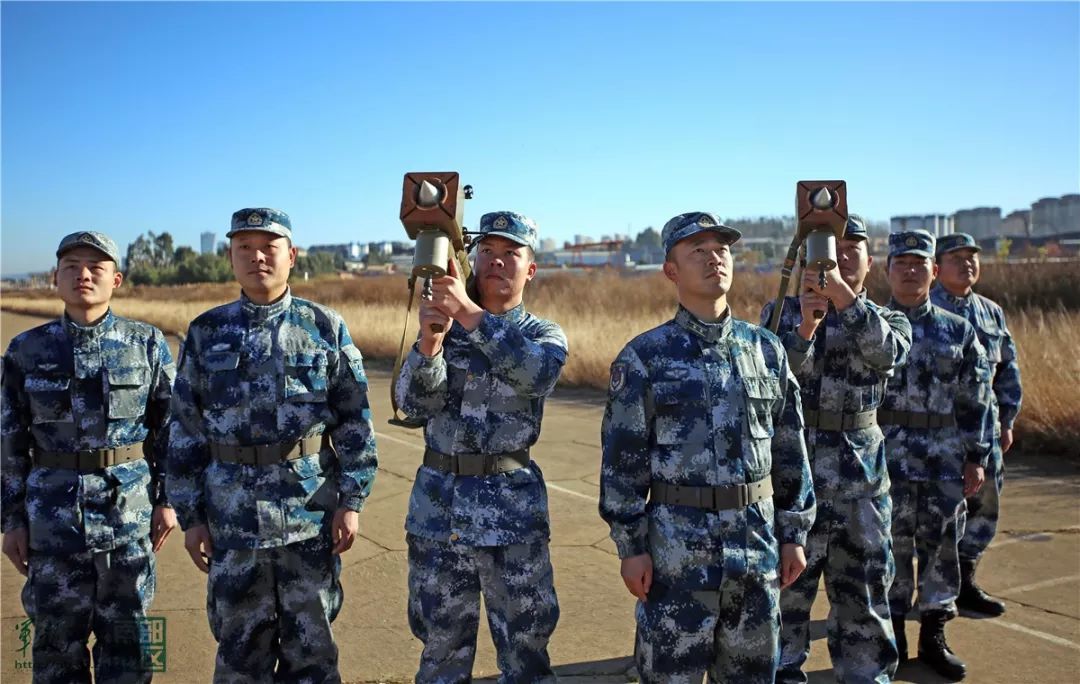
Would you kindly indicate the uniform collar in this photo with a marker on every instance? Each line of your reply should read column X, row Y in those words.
column 709, row 332
column 515, row 315
column 264, row 312
column 915, row 313
column 87, row 333
column 949, row 297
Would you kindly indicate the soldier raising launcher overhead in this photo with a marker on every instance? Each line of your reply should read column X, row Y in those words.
column 271, row 456
column 85, row 404
column 478, row 515
column 842, row 362
column 705, row 481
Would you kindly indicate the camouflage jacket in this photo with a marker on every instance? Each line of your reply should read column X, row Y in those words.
column 989, row 321
column 946, row 374
column 843, row 368
column 67, row 388
column 272, row 374
column 704, row 404
column 484, row 393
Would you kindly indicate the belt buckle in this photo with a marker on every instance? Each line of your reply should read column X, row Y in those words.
column 744, row 495
column 491, row 464
column 465, row 466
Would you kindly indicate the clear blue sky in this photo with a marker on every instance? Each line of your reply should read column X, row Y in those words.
column 591, row 118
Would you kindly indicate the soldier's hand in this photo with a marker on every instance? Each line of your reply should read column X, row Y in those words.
column 162, row 523
column 199, row 546
column 1006, row 439
column 346, row 525
column 974, row 476
column 16, row 547
column 431, row 341
column 637, row 575
column 449, row 295
column 809, row 302
column 792, row 563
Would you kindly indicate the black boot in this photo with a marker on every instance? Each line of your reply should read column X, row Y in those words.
column 972, row 597
column 934, row 651
column 901, row 636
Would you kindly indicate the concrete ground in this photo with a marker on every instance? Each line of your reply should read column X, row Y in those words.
column 1034, row 565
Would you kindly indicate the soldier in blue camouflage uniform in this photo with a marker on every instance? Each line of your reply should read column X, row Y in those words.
column 842, row 363
column 478, row 514
column 705, row 481
column 271, row 456
column 958, row 272
column 936, row 419
column 85, row 405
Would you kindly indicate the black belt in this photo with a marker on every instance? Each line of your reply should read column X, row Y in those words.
column 917, row 419
column 712, row 498
column 88, row 459
column 269, row 454
column 476, row 464
column 837, row 421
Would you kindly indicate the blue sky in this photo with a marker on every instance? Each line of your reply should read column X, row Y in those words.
column 591, row 118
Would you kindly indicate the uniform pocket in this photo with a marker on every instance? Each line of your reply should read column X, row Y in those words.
column 50, row 398
column 129, row 389
column 305, row 376
column 680, row 412
column 222, row 379
column 947, row 359
column 762, row 392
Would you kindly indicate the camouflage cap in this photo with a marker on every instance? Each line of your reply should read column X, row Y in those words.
column 918, row 242
column 855, row 228
column 90, row 238
column 951, row 243
column 263, row 219
column 510, row 225
column 692, row 223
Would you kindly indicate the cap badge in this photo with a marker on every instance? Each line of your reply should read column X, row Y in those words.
column 500, row 223
column 705, row 221
column 255, row 219
column 912, row 241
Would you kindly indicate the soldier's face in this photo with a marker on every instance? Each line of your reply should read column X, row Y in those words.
column 701, row 265
column 502, row 267
column 910, row 277
column 261, row 262
column 959, row 270
column 854, row 262
column 85, row 277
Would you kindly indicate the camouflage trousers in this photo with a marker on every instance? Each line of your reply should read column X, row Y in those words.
column 851, row 544
column 983, row 510
column 445, row 583
column 104, row 592
column 272, row 607
column 928, row 520
column 731, row 634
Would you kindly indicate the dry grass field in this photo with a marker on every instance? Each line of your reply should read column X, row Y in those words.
column 601, row 311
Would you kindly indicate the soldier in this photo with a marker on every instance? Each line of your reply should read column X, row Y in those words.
column 936, row 420
column 267, row 502
column 85, row 404
column 478, row 514
column 842, row 362
column 705, row 481
column 958, row 272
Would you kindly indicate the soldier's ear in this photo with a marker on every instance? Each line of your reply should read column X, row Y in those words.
column 671, row 271
column 118, row 278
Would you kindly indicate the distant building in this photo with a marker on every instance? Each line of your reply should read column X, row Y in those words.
column 1055, row 215
column 1017, row 222
column 981, row 222
column 936, row 224
column 207, row 242
column 222, row 246
column 548, row 245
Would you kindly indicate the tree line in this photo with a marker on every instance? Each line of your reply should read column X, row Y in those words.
column 153, row 259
